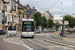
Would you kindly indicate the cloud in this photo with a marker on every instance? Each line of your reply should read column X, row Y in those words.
column 66, row 6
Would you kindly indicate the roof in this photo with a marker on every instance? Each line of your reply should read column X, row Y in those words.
column 19, row 7
column 31, row 11
column 28, row 6
column 20, row 4
column 5, row 1
column 49, row 13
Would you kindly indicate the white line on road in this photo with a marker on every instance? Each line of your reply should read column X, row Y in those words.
column 26, row 46
column 19, row 44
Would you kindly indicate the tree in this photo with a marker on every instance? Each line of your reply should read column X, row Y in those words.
column 34, row 20
column 37, row 18
column 44, row 22
column 70, row 19
column 50, row 23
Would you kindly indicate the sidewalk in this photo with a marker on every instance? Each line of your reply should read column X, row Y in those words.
column 70, row 37
column 13, row 40
column 17, row 40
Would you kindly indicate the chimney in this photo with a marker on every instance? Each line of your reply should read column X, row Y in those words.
column 33, row 7
column 47, row 11
column 27, row 5
column 18, row 1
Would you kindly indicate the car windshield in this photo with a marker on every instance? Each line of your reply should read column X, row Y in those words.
column 28, row 26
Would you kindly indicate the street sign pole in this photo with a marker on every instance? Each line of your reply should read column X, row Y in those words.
column 55, row 30
column 64, row 30
column 7, row 33
column 16, row 30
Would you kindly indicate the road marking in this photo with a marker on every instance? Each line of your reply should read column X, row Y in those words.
column 19, row 44
column 26, row 46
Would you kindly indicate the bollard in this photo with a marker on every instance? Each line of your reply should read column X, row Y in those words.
column 55, row 33
column 20, row 32
column 66, row 34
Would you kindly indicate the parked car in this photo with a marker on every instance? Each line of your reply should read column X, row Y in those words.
column 70, row 30
column 51, row 30
column 38, row 31
column 35, row 31
column 2, row 32
column 46, row 31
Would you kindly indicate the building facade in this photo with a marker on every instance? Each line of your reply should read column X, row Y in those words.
column 12, row 11
column 20, row 11
column 2, row 12
column 58, row 18
column 47, row 14
column 73, row 15
column 30, row 11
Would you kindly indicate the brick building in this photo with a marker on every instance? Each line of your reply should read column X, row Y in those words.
column 2, row 12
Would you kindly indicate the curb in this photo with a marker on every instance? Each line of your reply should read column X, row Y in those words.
column 56, row 37
column 61, row 38
column 59, row 43
column 12, row 38
column 69, row 39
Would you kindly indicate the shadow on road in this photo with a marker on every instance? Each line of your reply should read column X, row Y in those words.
column 27, row 38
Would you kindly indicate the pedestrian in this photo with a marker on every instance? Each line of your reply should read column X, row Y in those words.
column 62, row 33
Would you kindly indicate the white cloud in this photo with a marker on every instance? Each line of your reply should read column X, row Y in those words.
column 67, row 5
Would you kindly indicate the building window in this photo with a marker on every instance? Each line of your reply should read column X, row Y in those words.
column 5, row 19
column 23, row 15
column 5, row 8
column 15, row 8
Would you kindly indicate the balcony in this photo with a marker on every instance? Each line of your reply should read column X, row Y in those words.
column 6, row 1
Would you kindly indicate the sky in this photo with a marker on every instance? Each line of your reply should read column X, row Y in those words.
column 56, row 7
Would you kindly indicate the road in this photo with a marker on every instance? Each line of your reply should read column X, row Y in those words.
column 8, row 46
column 38, row 43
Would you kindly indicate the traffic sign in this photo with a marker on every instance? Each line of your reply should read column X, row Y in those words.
column 66, row 22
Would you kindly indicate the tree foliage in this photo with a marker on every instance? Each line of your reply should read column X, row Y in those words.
column 37, row 18
column 44, row 22
column 50, row 23
column 70, row 19
column 34, row 20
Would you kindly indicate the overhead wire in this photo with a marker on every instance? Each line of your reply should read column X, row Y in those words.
column 29, row 1
column 53, row 4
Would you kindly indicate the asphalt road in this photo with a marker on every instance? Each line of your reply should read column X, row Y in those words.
column 8, row 46
column 39, row 38
column 32, row 45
